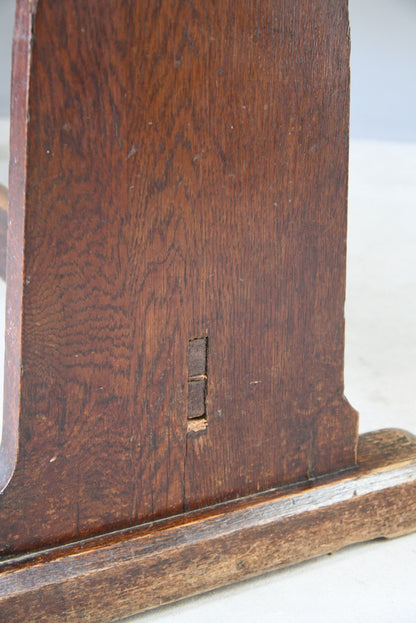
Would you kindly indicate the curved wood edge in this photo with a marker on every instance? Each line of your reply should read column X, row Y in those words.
column 126, row 572
column 19, row 118
column 4, row 202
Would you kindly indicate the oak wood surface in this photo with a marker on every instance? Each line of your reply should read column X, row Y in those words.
column 174, row 410
column 185, row 177
column 122, row 573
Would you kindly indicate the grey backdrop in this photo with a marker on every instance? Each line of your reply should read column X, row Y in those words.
column 383, row 63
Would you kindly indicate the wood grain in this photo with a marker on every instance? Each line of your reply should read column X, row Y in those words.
column 118, row 575
column 185, row 176
column 174, row 412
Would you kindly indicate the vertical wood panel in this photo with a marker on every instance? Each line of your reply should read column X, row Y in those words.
column 187, row 171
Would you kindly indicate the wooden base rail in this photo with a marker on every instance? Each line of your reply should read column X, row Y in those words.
column 119, row 574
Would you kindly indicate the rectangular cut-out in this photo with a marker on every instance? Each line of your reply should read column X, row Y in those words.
column 197, row 354
column 196, row 398
column 197, row 357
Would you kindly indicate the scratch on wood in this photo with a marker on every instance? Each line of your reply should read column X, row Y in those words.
column 116, row 127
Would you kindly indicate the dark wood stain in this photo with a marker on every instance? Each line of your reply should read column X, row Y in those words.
column 181, row 173
column 119, row 574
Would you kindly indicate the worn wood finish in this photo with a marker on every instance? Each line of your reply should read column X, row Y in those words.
column 118, row 575
column 174, row 414
column 184, row 177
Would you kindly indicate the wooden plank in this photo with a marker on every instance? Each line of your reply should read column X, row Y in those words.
column 269, row 281
column 121, row 574
column 182, row 173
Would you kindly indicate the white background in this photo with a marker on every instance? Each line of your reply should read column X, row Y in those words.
column 375, row 581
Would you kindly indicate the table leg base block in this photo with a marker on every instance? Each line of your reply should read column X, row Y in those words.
column 123, row 573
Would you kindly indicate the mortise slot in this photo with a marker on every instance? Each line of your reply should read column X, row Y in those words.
column 197, row 382
column 196, row 398
column 197, row 357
